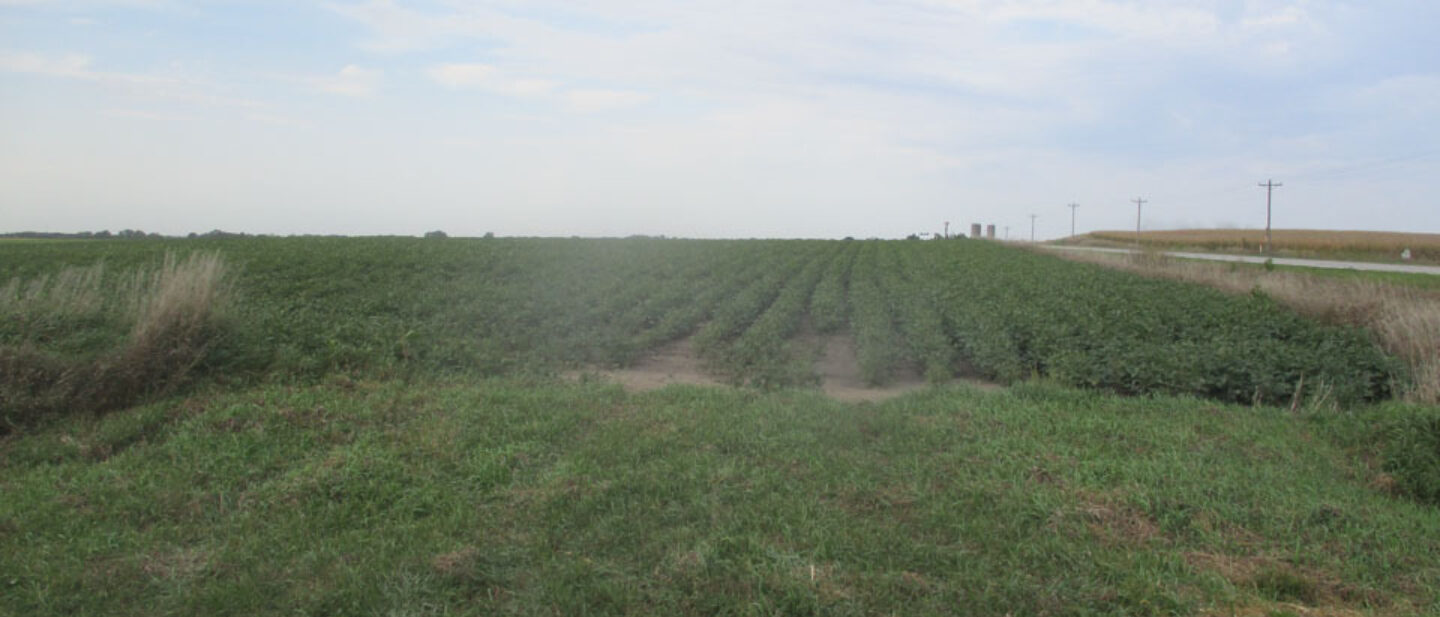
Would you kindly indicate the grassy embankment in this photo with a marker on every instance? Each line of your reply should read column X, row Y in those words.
column 515, row 497
column 1322, row 244
column 330, row 456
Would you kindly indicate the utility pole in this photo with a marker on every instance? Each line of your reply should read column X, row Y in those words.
column 1270, row 186
column 1072, row 207
column 1139, row 203
column 1032, row 228
column 947, row 229
column 1007, row 232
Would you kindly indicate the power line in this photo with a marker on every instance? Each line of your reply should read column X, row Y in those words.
column 1359, row 169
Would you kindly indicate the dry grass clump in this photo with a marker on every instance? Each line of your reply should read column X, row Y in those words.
column 174, row 310
column 1405, row 319
column 169, row 314
column 1411, row 330
column 173, row 305
column 1378, row 243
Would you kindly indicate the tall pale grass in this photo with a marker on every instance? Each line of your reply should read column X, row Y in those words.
column 1406, row 320
column 71, row 292
column 171, row 313
column 176, row 300
column 173, row 310
column 1411, row 328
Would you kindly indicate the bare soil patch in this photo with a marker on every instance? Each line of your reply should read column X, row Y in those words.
column 671, row 363
column 835, row 363
column 839, row 370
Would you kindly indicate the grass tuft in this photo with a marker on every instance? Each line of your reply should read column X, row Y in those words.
column 1285, row 585
column 1412, row 456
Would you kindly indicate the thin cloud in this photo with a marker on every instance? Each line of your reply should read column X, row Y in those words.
column 489, row 78
column 1288, row 16
column 140, row 85
column 587, row 101
column 458, row 76
column 76, row 66
column 352, row 81
column 397, row 29
column 1144, row 20
column 139, row 114
column 1403, row 96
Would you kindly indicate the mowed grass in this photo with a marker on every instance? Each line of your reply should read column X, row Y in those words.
column 1365, row 245
column 523, row 497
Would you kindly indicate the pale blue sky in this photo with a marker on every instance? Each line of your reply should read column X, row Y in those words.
column 715, row 119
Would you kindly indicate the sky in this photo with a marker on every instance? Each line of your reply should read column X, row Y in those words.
column 708, row 118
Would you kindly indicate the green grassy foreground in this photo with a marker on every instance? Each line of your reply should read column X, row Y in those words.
column 515, row 496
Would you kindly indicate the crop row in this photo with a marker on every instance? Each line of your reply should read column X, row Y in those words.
column 1015, row 314
column 878, row 346
column 744, row 338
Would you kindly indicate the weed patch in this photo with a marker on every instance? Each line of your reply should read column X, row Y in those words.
column 171, row 315
column 1412, row 456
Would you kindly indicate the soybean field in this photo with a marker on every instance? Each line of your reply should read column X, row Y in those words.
column 750, row 308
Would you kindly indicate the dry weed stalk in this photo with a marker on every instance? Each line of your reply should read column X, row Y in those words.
column 173, row 308
column 1406, row 320
column 172, row 313
column 178, row 298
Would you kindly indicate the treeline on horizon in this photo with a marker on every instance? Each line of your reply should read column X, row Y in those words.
column 124, row 233
column 135, row 234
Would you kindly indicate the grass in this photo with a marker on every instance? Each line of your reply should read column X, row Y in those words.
column 1428, row 282
column 539, row 498
column 1365, row 245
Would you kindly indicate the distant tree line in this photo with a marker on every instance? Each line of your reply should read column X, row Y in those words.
column 55, row 235
column 124, row 233
column 136, row 233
